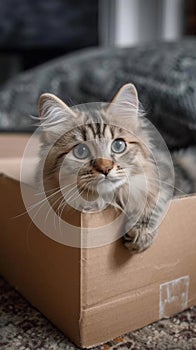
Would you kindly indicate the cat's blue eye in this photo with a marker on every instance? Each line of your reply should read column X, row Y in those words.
column 118, row 146
column 81, row 151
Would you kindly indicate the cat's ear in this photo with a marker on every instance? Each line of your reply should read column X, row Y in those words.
column 51, row 107
column 125, row 102
column 54, row 116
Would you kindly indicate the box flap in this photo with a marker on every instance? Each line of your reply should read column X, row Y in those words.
column 45, row 272
column 119, row 272
column 125, row 292
column 12, row 147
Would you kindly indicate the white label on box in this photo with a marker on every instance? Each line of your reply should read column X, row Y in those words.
column 173, row 296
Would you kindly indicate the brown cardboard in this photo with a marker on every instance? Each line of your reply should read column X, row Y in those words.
column 94, row 294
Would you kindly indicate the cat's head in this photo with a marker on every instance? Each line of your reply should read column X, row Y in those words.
column 93, row 148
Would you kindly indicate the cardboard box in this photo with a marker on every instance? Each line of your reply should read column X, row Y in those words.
column 94, row 294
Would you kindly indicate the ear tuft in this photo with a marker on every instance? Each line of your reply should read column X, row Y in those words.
column 127, row 94
column 125, row 102
column 49, row 104
column 56, row 117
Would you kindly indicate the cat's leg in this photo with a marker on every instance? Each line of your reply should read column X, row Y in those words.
column 139, row 237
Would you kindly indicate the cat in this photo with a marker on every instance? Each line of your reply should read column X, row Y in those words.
column 98, row 155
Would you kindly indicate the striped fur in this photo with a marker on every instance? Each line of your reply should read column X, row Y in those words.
column 129, row 181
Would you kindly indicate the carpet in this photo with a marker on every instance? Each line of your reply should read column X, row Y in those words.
column 23, row 328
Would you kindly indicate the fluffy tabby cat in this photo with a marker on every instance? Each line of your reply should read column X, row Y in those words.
column 105, row 156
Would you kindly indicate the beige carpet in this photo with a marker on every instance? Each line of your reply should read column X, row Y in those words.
column 24, row 328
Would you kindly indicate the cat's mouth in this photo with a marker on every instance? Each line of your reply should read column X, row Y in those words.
column 103, row 190
column 112, row 180
column 108, row 184
column 96, row 181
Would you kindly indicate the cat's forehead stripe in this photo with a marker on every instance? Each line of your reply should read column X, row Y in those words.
column 94, row 131
column 91, row 131
column 108, row 132
column 83, row 131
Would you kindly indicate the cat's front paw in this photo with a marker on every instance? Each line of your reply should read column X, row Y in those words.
column 138, row 239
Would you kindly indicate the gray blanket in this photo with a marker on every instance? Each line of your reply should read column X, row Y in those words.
column 164, row 74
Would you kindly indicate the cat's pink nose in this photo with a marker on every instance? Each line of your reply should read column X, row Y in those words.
column 103, row 165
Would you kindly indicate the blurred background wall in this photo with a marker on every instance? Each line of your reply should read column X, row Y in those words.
column 33, row 32
column 129, row 22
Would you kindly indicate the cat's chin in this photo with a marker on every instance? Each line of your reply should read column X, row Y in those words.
column 107, row 185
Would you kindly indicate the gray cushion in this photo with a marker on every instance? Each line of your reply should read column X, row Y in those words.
column 164, row 74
